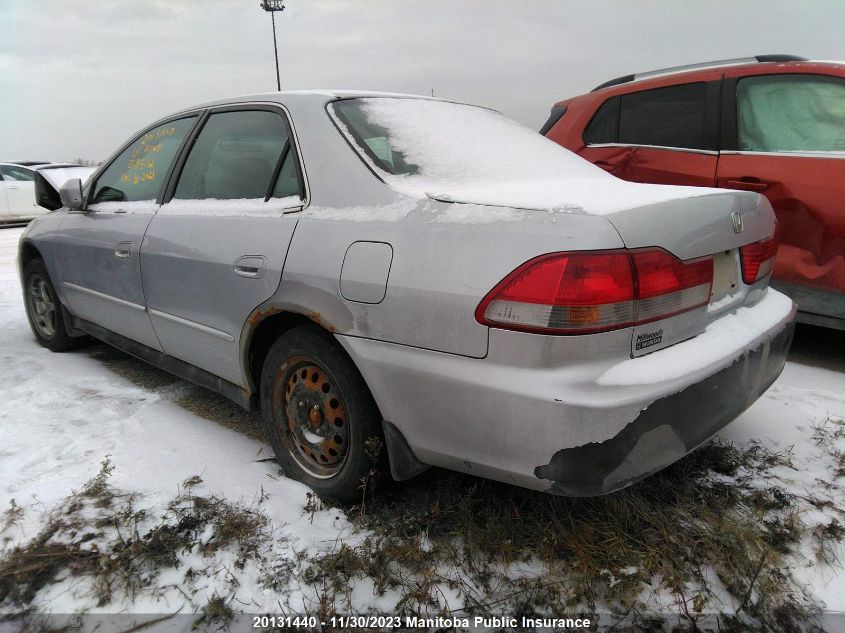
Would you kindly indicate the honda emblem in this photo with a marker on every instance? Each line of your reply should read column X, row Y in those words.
column 736, row 220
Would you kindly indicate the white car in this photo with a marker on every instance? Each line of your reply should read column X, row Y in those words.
column 17, row 193
column 17, row 188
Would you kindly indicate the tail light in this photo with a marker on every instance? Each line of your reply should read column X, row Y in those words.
column 582, row 293
column 758, row 259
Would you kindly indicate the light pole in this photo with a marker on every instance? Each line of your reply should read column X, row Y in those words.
column 272, row 6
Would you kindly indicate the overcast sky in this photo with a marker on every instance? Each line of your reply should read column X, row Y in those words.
column 78, row 77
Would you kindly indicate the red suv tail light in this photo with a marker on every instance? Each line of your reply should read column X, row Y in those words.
column 581, row 293
column 758, row 259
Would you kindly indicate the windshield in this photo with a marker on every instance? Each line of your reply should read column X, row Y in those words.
column 424, row 146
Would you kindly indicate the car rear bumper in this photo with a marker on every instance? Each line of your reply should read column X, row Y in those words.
column 575, row 415
column 671, row 427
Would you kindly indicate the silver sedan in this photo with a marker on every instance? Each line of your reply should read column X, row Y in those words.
column 400, row 282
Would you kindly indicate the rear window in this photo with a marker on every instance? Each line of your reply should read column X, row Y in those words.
column 420, row 145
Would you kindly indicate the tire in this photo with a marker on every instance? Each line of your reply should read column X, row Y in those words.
column 320, row 417
column 44, row 310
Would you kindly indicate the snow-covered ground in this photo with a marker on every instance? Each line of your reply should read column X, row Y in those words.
column 61, row 414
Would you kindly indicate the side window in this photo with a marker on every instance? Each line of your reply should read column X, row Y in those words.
column 667, row 117
column 139, row 171
column 791, row 113
column 604, row 126
column 235, row 157
column 287, row 184
column 10, row 172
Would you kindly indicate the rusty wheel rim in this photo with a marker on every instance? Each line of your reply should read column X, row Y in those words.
column 311, row 417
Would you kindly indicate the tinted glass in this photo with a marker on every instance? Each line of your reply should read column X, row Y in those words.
column 234, row 156
column 791, row 113
column 16, row 173
column 554, row 116
column 668, row 117
column 139, row 172
column 604, row 126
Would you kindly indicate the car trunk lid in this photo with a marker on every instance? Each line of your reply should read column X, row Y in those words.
column 688, row 223
column 715, row 224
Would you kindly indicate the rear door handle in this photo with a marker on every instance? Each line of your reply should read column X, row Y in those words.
column 12, row 187
column 123, row 250
column 747, row 183
column 251, row 266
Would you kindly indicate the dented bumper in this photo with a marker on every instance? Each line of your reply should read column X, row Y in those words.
column 573, row 415
column 671, row 427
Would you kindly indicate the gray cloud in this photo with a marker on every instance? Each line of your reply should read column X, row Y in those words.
column 80, row 77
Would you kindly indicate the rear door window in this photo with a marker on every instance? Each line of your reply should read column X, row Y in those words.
column 791, row 113
column 236, row 156
column 139, row 171
column 288, row 183
column 665, row 117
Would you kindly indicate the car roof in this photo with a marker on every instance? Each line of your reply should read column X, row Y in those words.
column 690, row 70
column 57, row 166
column 317, row 95
column 24, row 163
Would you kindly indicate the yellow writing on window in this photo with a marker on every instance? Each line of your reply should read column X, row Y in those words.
column 141, row 163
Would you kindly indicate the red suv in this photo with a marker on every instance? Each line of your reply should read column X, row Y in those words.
column 774, row 124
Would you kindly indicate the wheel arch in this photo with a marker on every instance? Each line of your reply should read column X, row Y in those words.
column 27, row 251
column 265, row 325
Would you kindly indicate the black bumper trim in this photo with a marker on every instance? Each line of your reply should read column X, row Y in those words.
column 670, row 427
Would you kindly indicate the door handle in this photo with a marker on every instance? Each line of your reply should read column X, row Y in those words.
column 251, row 266
column 747, row 183
column 123, row 250
column 12, row 187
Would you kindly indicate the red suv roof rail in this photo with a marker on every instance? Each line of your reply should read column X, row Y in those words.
column 714, row 64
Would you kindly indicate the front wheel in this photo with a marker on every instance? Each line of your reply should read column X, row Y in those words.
column 44, row 310
column 319, row 415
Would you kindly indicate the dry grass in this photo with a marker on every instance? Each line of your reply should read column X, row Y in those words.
column 98, row 534
column 701, row 533
column 703, row 545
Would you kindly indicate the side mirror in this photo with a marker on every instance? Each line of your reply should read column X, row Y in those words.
column 70, row 194
column 45, row 194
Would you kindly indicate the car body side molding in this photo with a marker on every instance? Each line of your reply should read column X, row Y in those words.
column 186, row 371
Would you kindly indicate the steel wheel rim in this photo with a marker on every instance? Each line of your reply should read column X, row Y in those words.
column 42, row 307
column 311, row 417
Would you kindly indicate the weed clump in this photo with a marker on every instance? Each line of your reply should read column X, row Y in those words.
column 704, row 532
column 97, row 533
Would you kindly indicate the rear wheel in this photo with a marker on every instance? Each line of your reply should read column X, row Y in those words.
column 320, row 417
column 44, row 310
